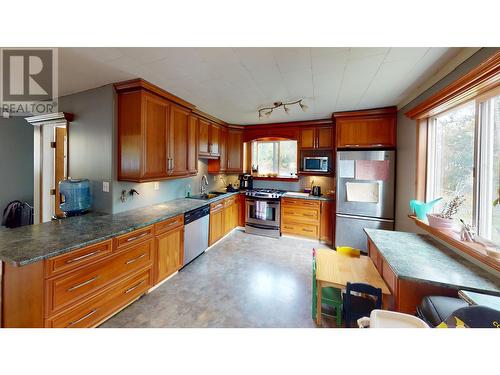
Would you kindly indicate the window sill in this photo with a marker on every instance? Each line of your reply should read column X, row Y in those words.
column 284, row 179
column 474, row 249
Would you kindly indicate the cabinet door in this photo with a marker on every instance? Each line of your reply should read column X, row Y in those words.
column 203, row 139
column 324, row 138
column 178, row 141
column 169, row 252
column 234, row 150
column 223, row 150
column 326, row 222
column 227, row 219
column 192, row 158
column 366, row 132
column 216, row 226
column 155, row 137
column 214, row 140
column 241, row 210
column 307, row 138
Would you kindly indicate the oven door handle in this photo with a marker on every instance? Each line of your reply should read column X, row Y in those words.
column 262, row 226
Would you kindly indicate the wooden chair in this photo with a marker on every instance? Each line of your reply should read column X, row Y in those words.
column 358, row 306
column 329, row 296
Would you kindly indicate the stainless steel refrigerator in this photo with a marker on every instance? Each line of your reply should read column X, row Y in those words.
column 365, row 195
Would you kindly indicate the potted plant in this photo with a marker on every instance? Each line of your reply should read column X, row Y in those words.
column 444, row 219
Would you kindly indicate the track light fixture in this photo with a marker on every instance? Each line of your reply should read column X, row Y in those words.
column 266, row 111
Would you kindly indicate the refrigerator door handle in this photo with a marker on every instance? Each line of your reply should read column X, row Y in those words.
column 365, row 218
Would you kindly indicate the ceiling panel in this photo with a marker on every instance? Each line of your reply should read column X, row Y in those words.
column 233, row 83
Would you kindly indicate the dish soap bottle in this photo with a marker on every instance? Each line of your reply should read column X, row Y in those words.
column 188, row 190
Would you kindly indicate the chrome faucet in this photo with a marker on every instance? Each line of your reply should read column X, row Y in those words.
column 203, row 184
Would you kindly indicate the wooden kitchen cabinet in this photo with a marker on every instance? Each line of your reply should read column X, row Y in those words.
column 231, row 152
column 216, row 231
column 154, row 142
column 241, row 210
column 300, row 217
column 178, row 132
column 326, row 222
column 230, row 214
column 209, row 140
column 375, row 128
column 316, row 138
column 192, row 158
column 170, row 248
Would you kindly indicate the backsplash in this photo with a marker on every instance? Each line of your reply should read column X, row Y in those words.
column 326, row 183
column 168, row 190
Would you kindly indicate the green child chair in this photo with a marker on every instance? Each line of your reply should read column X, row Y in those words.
column 330, row 296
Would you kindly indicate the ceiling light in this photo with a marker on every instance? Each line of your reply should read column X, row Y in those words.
column 268, row 110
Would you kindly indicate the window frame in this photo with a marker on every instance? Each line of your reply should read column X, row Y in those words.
column 276, row 156
column 474, row 85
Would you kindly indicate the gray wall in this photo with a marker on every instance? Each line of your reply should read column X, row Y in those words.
column 406, row 157
column 91, row 140
column 16, row 161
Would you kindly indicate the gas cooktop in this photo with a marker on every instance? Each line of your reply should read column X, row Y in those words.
column 265, row 193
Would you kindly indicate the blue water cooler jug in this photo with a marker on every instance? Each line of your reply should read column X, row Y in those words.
column 75, row 196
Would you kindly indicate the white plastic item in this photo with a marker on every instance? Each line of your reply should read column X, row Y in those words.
column 391, row 319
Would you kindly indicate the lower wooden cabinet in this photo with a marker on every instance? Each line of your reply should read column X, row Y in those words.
column 169, row 252
column 224, row 217
column 307, row 218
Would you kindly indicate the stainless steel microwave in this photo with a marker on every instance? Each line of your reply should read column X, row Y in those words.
column 316, row 164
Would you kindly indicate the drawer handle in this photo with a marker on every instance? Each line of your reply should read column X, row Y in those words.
column 137, row 237
column 133, row 260
column 172, row 223
column 83, row 284
column 82, row 318
column 288, row 227
column 307, row 230
column 310, row 215
column 134, row 287
column 82, row 257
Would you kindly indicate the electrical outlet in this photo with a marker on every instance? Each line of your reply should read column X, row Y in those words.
column 156, row 185
column 105, row 186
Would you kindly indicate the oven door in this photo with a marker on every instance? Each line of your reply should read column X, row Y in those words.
column 271, row 215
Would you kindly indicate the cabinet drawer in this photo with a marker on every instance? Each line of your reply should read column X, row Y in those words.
column 169, row 224
column 300, row 203
column 134, row 237
column 300, row 214
column 229, row 201
column 99, row 307
column 77, row 258
column 389, row 276
column 301, row 229
column 216, row 206
column 67, row 289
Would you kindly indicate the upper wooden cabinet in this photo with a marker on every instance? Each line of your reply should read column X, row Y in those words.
column 231, row 152
column 209, row 139
column 316, row 138
column 234, row 150
column 375, row 128
column 156, row 139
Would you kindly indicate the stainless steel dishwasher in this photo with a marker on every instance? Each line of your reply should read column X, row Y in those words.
column 195, row 233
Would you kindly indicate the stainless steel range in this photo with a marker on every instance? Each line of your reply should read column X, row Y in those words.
column 262, row 213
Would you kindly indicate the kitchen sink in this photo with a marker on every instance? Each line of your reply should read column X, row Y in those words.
column 206, row 196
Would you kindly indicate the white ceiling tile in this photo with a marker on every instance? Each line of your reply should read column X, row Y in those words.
column 232, row 83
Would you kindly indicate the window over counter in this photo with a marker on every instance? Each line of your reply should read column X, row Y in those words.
column 274, row 158
column 461, row 141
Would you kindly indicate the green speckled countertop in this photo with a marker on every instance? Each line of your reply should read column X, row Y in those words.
column 419, row 257
column 28, row 244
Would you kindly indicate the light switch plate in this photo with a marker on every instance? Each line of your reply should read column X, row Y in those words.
column 156, row 185
column 105, row 186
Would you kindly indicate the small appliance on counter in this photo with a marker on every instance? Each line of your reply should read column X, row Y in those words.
column 75, row 196
column 246, row 181
column 316, row 191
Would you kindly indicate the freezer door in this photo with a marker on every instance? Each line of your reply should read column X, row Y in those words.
column 349, row 230
column 366, row 169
